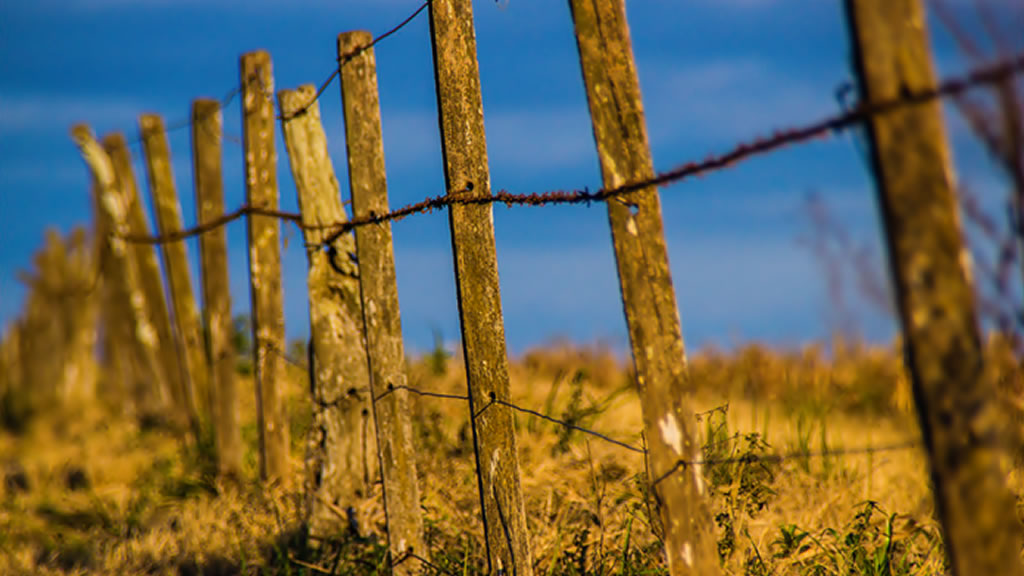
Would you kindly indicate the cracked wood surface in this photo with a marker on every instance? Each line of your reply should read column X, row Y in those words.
column 341, row 458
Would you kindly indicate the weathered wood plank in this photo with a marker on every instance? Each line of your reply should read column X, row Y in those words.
column 265, row 265
column 381, row 314
column 185, row 313
column 648, row 297
column 207, row 136
column 965, row 433
column 120, row 269
column 341, row 463
column 464, row 149
column 150, row 280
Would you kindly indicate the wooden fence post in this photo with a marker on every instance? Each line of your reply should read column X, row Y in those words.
column 207, row 130
column 150, row 280
column 79, row 312
column 341, row 463
column 381, row 314
column 616, row 111
column 265, row 264
column 167, row 209
column 464, row 149
column 122, row 273
column 964, row 433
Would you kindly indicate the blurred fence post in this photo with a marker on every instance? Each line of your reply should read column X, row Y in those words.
column 150, row 280
column 265, row 264
column 207, row 130
column 655, row 335
column 79, row 311
column 167, row 209
column 464, row 149
column 341, row 462
column 965, row 434
column 381, row 314
column 132, row 313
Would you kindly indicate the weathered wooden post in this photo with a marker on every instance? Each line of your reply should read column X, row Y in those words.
column 965, row 434
column 340, row 462
column 207, row 134
column 382, row 318
column 122, row 273
column 150, row 281
column 265, row 264
column 79, row 309
column 167, row 209
column 464, row 149
column 652, row 317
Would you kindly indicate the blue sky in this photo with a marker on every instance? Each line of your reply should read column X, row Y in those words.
column 711, row 72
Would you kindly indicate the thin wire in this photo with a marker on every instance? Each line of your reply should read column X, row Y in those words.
column 346, row 58
column 392, row 388
column 779, row 458
column 570, row 426
column 183, row 123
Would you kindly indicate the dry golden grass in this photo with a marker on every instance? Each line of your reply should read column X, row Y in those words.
column 106, row 497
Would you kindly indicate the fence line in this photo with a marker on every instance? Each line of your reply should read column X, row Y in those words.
column 917, row 183
column 681, row 464
column 980, row 76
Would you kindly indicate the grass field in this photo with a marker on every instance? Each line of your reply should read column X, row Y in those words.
column 86, row 491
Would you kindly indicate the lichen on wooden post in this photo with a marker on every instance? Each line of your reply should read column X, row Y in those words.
column 652, row 317
column 121, row 271
column 265, row 265
column 965, row 433
column 464, row 150
column 341, row 461
column 167, row 209
column 150, row 279
column 207, row 131
column 381, row 315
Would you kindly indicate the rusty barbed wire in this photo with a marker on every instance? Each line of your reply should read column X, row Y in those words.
column 243, row 210
column 984, row 75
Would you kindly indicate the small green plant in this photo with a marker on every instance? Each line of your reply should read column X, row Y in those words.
column 866, row 546
column 438, row 358
column 241, row 341
column 740, row 472
column 575, row 414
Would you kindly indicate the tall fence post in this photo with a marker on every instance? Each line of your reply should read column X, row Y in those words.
column 207, row 136
column 341, row 462
column 167, row 209
column 457, row 77
column 150, row 280
column 381, row 314
column 965, row 434
column 655, row 335
column 122, row 273
column 265, row 264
